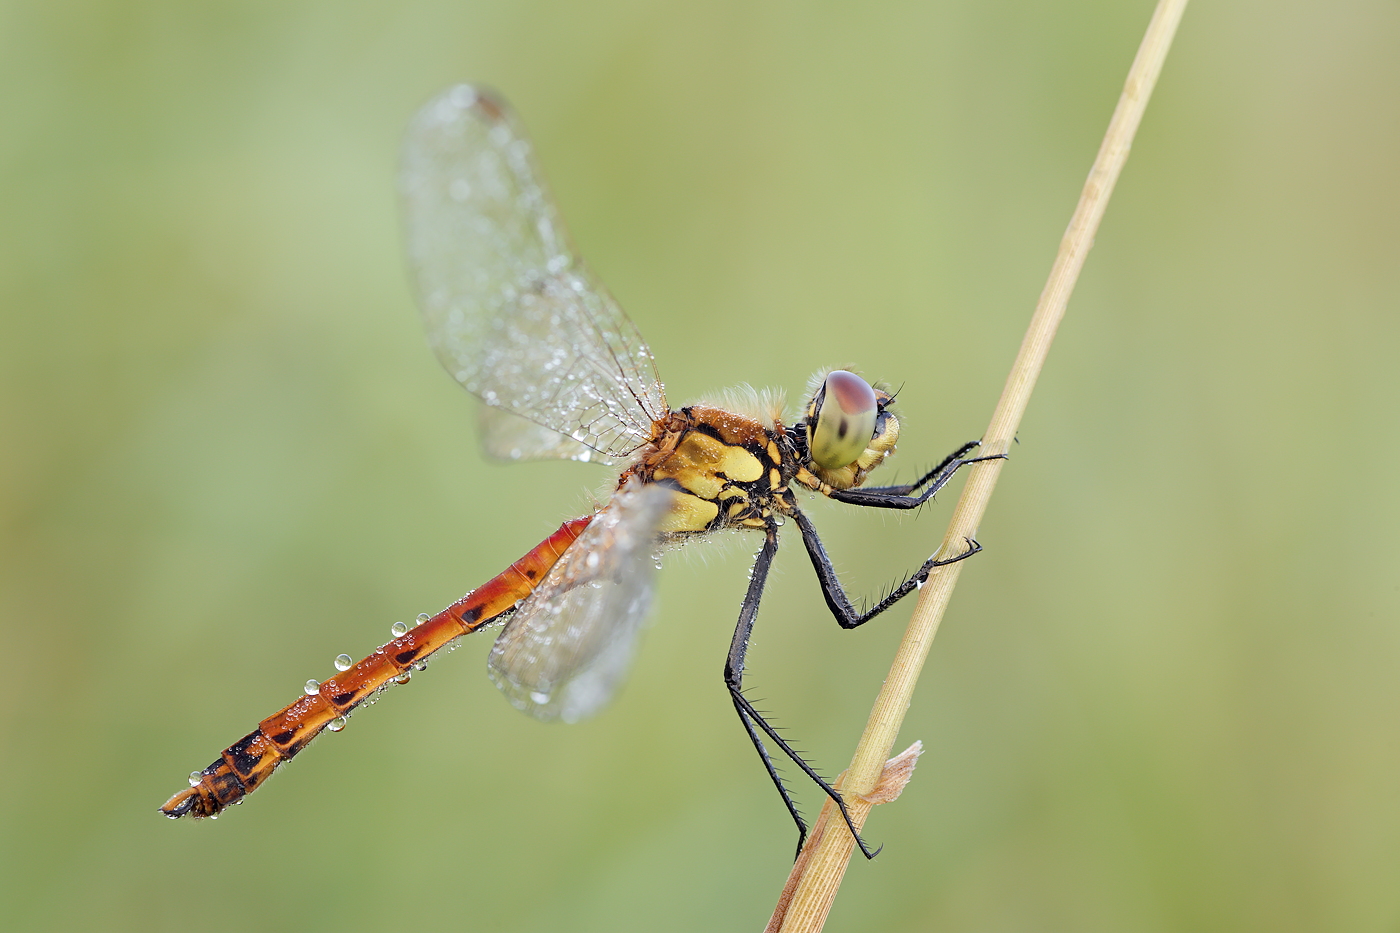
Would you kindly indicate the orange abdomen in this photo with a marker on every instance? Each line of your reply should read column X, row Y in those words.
column 251, row 760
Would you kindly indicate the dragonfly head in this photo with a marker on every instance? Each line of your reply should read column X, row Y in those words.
column 849, row 429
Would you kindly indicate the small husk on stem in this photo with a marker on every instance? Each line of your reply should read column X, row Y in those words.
column 807, row 897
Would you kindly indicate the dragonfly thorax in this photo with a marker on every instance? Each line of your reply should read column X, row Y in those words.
column 726, row 469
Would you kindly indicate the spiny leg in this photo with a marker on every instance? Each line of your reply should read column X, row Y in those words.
column 902, row 497
column 841, row 608
column 773, row 774
column 836, row 599
column 948, row 461
column 751, row 718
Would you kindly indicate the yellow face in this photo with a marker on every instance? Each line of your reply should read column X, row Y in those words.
column 850, row 430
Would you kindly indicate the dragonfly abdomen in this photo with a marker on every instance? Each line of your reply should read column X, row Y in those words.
column 247, row 763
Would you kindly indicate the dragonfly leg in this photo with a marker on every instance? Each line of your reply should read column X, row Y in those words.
column 836, row 598
column 907, row 496
column 754, row 723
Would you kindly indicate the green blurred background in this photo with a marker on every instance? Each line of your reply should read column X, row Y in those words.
column 1165, row 698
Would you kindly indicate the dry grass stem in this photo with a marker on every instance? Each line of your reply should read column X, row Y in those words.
column 896, row 775
column 815, row 878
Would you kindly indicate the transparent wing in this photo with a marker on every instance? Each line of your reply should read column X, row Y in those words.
column 511, row 311
column 511, row 437
column 567, row 647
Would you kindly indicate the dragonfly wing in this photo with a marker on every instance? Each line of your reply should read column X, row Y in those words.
column 567, row 647
column 511, row 437
column 511, row 311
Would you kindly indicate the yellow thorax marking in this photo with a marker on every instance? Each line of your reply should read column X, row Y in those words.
column 688, row 513
column 702, row 465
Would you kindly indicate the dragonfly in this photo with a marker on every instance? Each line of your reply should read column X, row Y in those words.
column 516, row 317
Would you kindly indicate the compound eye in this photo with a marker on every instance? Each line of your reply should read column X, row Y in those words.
column 845, row 421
